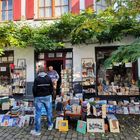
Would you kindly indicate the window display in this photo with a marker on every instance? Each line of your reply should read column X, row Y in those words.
column 118, row 79
column 6, row 60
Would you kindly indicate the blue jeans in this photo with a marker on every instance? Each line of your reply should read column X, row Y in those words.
column 47, row 102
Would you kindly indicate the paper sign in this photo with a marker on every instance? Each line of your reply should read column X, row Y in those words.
column 2, row 68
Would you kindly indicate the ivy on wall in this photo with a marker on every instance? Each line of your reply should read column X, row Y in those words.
column 87, row 27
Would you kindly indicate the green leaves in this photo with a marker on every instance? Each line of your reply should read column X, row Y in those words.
column 109, row 25
column 124, row 54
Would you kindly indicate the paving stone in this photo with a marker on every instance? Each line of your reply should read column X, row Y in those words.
column 31, row 138
column 85, row 138
column 74, row 135
column 44, row 137
column 63, row 135
column 56, row 139
column 111, row 139
column 50, row 138
column 74, row 139
column 62, row 139
column 37, row 138
column 68, row 136
column 80, row 137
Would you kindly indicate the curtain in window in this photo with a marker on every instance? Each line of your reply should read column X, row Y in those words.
column 10, row 10
column 7, row 10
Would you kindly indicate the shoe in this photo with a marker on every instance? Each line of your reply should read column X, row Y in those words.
column 33, row 132
column 50, row 127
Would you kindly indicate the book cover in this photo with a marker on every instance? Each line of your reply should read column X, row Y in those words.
column 111, row 109
column 27, row 119
column 81, row 127
column 15, row 122
column 63, row 125
column 125, row 110
column 131, row 109
column 21, row 121
column 119, row 110
column 114, row 126
column 99, row 110
column 5, row 106
column 104, row 111
column 57, row 122
column 137, row 109
column 5, row 121
column 1, row 118
column 95, row 125
column 10, row 122
column 31, row 121
column 111, row 117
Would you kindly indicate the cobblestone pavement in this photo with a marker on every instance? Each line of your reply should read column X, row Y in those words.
column 129, row 127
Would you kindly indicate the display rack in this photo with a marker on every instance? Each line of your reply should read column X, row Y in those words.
column 19, row 80
column 88, row 76
column 66, row 83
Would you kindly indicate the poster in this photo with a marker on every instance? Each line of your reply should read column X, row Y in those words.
column 95, row 125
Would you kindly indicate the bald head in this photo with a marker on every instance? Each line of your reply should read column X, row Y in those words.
column 41, row 69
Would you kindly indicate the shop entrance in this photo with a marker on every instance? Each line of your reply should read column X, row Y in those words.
column 57, row 65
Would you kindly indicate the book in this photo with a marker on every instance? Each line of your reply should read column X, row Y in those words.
column 104, row 111
column 111, row 117
column 119, row 109
column 27, row 119
column 81, row 127
column 63, row 125
column 1, row 118
column 137, row 109
column 21, row 121
column 31, row 121
column 57, row 122
column 113, row 123
column 111, row 109
column 5, row 121
column 131, row 109
column 125, row 110
column 95, row 125
column 5, row 106
column 114, row 126
column 15, row 122
column 10, row 122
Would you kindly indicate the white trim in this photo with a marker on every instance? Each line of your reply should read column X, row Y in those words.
column 35, row 9
column 23, row 9
column 82, row 5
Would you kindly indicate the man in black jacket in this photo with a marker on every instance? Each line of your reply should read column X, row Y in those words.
column 42, row 91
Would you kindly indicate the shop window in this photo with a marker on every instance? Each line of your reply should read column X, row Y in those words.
column 69, row 55
column 5, row 60
column 59, row 54
column 118, row 79
column 52, row 8
column 41, row 56
column 101, row 5
column 6, row 10
column 51, row 55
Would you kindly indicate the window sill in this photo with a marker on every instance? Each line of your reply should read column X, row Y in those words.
column 51, row 18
